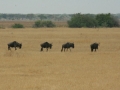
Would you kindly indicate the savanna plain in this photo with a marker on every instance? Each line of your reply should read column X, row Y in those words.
column 79, row 69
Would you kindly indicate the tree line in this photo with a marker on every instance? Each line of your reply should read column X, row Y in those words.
column 74, row 21
column 51, row 17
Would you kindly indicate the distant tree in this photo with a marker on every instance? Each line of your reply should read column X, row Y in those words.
column 30, row 16
column 48, row 24
column 107, row 20
column 82, row 20
column 42, row 17
column 40, row 23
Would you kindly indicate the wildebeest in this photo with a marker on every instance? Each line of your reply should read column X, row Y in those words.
column 67, row 46
column 46, row 45
column 94, row 46
column 14, row 44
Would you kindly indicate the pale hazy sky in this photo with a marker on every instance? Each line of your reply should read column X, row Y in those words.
column 59, row 6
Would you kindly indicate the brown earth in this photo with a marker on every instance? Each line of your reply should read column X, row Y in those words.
column 80, row 69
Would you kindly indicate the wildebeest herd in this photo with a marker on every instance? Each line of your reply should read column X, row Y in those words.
column 47, row 45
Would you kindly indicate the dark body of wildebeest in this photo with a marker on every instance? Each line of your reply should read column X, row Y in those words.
column 46, row 45
column 67, row 46
column 94, row 46
column 14, row 44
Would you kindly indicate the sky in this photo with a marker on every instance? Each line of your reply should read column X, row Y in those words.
column 59, row 6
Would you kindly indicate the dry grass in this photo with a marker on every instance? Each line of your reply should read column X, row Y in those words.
column 80, row 69
column 8, row 24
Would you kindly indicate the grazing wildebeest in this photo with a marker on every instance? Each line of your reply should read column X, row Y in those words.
column 46, row 45
column 14, row 44
column 67, row 46
column 94, row 46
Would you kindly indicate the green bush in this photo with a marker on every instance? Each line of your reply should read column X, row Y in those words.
column 81, row 20
column 40, row 23
column 99, row 20
column 107, row 20
column 17, row 26
column 49, row 24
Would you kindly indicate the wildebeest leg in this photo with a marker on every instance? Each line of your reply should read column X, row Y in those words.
column 61, row 49
column 64, row 49
column 8, row 47
column 67, row 49
column 91, row 50
column 41, row 49
column 47, row 49
column 95, row 50
column 15, row 48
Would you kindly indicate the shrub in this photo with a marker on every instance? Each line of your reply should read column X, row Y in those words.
column 17, row 26
column 99, row 20
column 81, row 20
column 107, row 20
column 40, row 23
column 49, row 24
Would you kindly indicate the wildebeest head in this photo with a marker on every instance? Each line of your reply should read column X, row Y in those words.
column 96, row 44
column 20, row 45
column 50, row 45
column 72, row 45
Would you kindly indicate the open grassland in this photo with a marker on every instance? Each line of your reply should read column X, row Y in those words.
column 80, row 69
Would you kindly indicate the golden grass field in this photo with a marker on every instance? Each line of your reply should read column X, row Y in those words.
column 30, row 69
